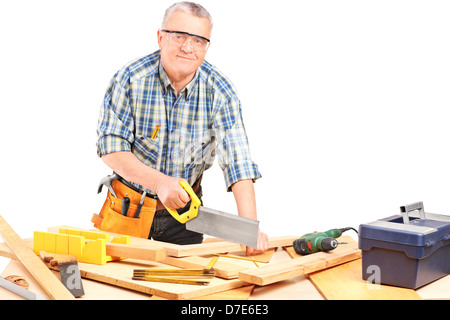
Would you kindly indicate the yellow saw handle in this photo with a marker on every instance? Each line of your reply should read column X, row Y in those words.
column 193, row 209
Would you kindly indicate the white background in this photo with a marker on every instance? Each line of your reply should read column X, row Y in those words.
column 345, row 104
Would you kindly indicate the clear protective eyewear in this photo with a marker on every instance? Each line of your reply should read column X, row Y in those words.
column 198, row 43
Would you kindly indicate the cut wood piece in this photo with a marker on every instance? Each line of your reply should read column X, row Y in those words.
column 304, row 264
column 265, row 256
column 135, row 251
column 345, row 282
column 45, row 278
column 221, row 247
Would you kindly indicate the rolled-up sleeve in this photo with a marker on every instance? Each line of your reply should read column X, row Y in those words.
column 115, row 123
column 232, row 145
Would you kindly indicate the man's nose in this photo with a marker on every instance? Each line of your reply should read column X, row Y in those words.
column 187, row 46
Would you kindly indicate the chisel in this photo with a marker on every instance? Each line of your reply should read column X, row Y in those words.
column 24, row 293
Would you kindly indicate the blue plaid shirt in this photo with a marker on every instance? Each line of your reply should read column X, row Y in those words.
column 205, row 120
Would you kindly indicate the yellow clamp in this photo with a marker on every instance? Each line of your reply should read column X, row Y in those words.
column 193, row 209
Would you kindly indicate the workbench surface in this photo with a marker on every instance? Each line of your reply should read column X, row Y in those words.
column 296, row 288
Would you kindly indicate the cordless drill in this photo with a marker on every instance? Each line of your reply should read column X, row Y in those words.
column 319, row 241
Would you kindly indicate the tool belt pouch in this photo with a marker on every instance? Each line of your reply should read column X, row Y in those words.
column 110, row 218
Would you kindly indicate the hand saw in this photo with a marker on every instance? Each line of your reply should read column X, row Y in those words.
column 217, row 223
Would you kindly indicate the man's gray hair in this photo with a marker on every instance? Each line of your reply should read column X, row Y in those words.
column 189, row 7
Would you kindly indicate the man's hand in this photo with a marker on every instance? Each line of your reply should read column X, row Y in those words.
column 170, row 192
column 263, row 244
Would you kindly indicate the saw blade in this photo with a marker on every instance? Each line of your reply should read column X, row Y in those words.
column 225, row 226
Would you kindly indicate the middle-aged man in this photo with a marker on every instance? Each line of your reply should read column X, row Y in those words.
column 198, row 114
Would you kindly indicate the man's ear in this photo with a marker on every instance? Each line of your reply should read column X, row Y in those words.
column 159, row 36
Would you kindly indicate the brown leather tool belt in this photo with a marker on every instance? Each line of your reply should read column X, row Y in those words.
column 111, row 219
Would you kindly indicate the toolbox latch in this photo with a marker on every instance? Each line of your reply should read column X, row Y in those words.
column 405, row 210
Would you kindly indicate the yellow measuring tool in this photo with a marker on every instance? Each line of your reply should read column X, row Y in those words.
column 174, row 275
column 172, row 280
column 174, row 272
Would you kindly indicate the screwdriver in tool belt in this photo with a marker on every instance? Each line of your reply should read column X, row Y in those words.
column 125, row 205
column 141, row 203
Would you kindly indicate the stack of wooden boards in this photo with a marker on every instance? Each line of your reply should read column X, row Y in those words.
column 232, row 269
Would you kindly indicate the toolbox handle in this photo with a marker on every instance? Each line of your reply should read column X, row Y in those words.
column 405, row 210
column 193, row 209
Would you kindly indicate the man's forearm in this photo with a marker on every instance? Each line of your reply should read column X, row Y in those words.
column 244, row 194
column 132, row 169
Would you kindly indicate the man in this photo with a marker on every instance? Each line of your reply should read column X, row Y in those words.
column 198, row 115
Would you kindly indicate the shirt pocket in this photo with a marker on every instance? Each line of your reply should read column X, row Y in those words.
column 146, row 149
column 201, row 152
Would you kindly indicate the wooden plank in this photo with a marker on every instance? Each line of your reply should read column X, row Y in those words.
column 344, row 282
column 242, row 293
column 275, row 272
column 221, row 246
column 439, row 289
column 225, row 267
column 45, row 278
column 135, row 251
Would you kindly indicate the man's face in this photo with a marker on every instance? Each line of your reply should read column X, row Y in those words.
column 182, row 60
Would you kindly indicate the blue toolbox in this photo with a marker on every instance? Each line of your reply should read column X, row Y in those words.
column 407, row 250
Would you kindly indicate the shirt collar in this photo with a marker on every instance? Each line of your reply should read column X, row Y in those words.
column 167, row 85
